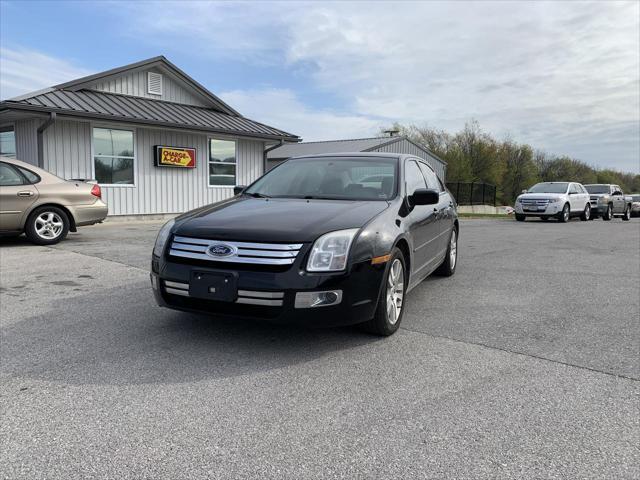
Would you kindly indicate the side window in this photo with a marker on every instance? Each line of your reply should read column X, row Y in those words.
column 31, row 177
column 413, row 178
column 430, row 177
column 573, row 188
column 9, row 176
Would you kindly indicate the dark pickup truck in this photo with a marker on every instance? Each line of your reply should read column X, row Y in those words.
column 608, row 201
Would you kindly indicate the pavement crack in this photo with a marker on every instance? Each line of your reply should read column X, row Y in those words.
column 516, row 352
column 99, row 258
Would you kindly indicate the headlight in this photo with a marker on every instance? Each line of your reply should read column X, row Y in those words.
column 330, row 252
column 603, row 199
column 554, row 200
column 162, row 237
column 518, row 200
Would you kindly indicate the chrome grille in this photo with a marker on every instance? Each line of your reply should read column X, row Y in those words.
column 535, row 201
column 247, row 297
column 241, row 252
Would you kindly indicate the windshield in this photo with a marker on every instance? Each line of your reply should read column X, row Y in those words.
column 339, row 178
column 549, row 188
column 597, row 188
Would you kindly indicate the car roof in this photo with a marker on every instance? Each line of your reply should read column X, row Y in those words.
column 355, row 154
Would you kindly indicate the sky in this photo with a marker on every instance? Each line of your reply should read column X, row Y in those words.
column 561, row 76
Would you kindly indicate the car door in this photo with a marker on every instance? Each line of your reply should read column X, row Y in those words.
column 618, row 199
column 16, row 196
column 423, row 224
column 576, row 201
column 444, row 213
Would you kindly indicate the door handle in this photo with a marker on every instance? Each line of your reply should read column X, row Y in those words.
column 25, row 193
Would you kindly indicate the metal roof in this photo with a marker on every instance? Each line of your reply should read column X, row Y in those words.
column 331, row 146
column 111, row 106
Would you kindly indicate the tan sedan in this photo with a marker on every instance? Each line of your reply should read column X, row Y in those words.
column 43, row 206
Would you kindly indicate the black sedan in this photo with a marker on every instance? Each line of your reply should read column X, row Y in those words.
column 321, row 240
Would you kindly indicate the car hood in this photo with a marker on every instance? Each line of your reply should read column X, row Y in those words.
column 532, row 196
column 275, row 219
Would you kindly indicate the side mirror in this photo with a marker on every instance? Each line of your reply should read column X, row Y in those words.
column 238, row 189
column 422, row 196
column 524, row 191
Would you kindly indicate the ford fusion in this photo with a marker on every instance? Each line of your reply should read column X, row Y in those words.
column 317, row 241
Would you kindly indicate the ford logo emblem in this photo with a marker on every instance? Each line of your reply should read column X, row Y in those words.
column 221, row 250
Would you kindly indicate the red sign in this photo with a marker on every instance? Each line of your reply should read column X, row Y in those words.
column 177, row 157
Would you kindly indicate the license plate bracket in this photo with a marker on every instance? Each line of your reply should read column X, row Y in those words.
column 220, row 286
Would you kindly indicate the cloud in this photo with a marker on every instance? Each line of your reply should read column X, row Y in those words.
column 281, row 108
column 23, row 70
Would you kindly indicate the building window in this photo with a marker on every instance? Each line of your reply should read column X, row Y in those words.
column 113, row 156
column 222, row 162
column 7, row 142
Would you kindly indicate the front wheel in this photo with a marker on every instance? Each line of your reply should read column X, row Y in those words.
column 627, row 214
column 586, row 214
column 520, row 217
column 565, row 214
column 390, row 307
column 608, row 215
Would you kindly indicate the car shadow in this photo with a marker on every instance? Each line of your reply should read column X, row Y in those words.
column 119, row 337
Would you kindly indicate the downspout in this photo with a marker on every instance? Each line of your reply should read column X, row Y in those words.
column 266, row 151
column 50, row 121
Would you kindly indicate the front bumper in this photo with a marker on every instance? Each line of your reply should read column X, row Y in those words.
column 598, row 210
column 549, row 210
column 360, row 287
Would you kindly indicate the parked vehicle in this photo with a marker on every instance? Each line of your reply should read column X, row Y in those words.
column 43, row 206
column 635, row 205
column 309, row 243
column 561, row 200
column 608, row 201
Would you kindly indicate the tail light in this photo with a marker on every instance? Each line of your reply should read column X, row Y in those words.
column 95, row 191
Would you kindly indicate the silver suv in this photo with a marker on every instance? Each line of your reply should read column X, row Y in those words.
column 561, row 200
column 607, row 201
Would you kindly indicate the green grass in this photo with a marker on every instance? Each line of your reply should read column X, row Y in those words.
column 496, row 216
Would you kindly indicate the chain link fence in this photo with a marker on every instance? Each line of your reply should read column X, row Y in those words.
column 471, row 193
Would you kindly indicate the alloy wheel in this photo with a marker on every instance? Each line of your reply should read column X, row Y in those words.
column 395, row 291
column 453, row 250
column 565, row 213
column 49, row 225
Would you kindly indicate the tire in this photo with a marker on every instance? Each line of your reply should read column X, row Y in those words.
column 47, row 225
column 386, row 321
column 565, row 215
column 627, row 214
column 586, row 214
column 520, row 217
column 608, row 215
column 448, row 266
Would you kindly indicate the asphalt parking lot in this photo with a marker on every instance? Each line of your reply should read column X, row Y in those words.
column 525, row 364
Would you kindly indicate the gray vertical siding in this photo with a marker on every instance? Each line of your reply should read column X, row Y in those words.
column 67, row 153
column 26, row 140
column 404, row 146
column 135, row 83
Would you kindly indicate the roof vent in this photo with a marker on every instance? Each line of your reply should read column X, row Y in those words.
column 154, row 83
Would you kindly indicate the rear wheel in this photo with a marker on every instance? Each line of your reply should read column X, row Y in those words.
column 565, row 215
column 47, row 225
column 448, row 266
column 390, row 307
column 627, row 214
column 586, row 214
column 520, row 217
column 608, row 215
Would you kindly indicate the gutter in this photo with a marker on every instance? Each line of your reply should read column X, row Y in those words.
column 41, row 129
column 265, row 161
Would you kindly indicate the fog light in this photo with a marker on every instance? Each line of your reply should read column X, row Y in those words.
column 154, row 281
column 318, row 299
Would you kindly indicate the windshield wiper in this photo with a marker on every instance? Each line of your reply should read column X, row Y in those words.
column 257, row 195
